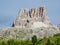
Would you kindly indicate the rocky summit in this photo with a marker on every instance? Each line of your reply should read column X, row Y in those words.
column 28, row 23
column 33, row 18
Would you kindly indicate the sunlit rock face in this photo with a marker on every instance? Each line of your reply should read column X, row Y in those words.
column 27, row 18
column 38, row 25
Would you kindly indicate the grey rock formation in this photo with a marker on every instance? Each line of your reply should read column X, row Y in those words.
column 58, row 26
column 26, row 33
column 28, row 23
column 26, row 17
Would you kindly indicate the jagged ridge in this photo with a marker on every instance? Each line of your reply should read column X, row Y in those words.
column 26, row 17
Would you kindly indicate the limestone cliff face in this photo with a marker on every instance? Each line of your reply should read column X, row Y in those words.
column 28, row 23
column 26, row 17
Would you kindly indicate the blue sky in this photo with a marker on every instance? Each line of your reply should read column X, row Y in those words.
column 9, row 10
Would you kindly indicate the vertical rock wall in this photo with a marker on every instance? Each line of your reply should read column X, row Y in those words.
column 26, row 17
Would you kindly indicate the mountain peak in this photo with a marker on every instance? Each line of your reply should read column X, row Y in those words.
column 26, row 17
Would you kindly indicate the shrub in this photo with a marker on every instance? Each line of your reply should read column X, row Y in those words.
column 11, row 42
column 57, row 34
column 34, row 40
column 57, row 41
